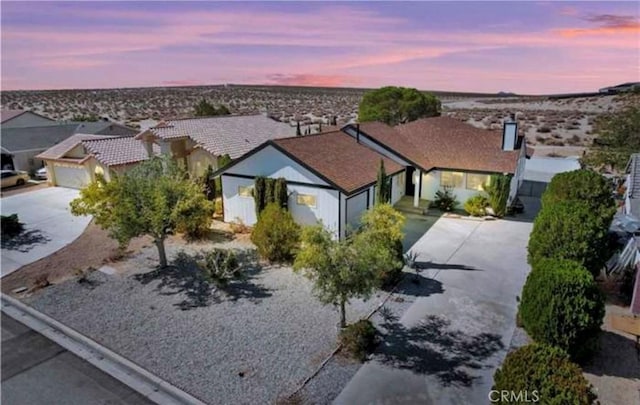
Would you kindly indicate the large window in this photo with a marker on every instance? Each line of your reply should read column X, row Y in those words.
column 245, row 191
column 306, row 199
column 475, row 181
column 451, row 179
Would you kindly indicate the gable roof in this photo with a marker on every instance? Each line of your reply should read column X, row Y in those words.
column 103, row 128
column 337, row 158
column 59, row 150
column 445, row 143
column 7, row 115
column 118, row 151
column 232, row 135
column 30, row 138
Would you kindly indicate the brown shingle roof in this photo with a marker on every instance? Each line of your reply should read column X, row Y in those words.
column 338, row 158
column 118, row 151
column 446, row 143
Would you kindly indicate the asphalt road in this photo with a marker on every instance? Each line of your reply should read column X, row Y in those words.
column 37, row 371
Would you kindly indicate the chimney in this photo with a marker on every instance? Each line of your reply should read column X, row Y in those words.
column 510, row 133
column 358, row 133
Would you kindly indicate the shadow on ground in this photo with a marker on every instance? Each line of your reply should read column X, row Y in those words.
column 25, row 241
column 184, row 276
column 442, row 266
column 616, row 357
column 433, row 348
column 419, row 286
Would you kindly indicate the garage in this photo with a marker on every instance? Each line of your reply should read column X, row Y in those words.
column 356, row 205
column 71, row 176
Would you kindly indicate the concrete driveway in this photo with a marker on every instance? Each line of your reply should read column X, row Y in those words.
column 48, row 222
column 446, row 346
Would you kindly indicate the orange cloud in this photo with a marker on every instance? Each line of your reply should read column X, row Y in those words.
column 608, row 24
column 311, row 80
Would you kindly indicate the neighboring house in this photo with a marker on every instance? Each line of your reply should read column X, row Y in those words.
column 443, row 151
column 621, row 88
column 22, row 118
column 539, row 171
column 330, row 177
column 75, row 161
column 199, row 142
column 632, row 185
column 22, row 144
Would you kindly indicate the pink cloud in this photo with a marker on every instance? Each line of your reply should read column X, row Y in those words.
column 311, row 80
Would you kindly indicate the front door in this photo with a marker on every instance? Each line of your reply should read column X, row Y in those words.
column 409, row 187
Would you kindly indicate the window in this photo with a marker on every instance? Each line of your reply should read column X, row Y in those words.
column 306, row 199
column 245, row 191
column 475, row 181
column 451, row 179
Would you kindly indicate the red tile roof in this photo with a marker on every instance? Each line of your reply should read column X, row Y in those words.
column 338, row 158
column 446, row 143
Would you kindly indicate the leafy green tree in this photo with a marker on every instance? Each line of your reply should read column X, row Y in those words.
column 383, row 225
column 498, row 189
column 397, row 105
column 383, row 185
column 562, row 306
column 617, row 137
column 154, row 198
column 342, row 269
column 209, row 183
column 206, row 109
column 276, row 235
column 582, row 185
column 570, row 230
column 546, row 370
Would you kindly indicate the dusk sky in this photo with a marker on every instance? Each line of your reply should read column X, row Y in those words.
column 522, row 47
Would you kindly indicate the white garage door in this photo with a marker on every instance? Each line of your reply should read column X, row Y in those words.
column 70, row 176
column 356, row 205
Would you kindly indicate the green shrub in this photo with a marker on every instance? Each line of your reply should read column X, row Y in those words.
column 570, row 230
column 562, row 306
column 445, row 200
column 545, row 370
column 358, row 339
column 194, row 215
column 220, row 266
column 259, row 194
column 281, row 194
column 217, row 207
column 276, row 235
column 476, row 205
column 498, row 189
column 582, row 185
column 11, row 226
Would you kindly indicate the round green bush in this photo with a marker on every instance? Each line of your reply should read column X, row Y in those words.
column 476, row 205
column 358, row 339
column 276, row 235
column 570, row 230
column 562, row 306
column 581, row 185
column 544, row 373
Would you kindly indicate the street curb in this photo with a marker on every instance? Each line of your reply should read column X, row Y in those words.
column 124, row 370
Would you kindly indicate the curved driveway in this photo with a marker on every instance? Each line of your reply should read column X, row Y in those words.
column 48, row 222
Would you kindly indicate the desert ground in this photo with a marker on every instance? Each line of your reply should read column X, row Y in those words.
column 554, row 126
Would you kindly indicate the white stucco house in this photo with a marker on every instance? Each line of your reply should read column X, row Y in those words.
column 330, row 178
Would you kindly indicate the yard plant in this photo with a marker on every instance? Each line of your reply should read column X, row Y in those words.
column 276, row 235
column 383, row 185
column 498, row 191
column 562, row 306
column 445, row 199
column 154, row 198
column 11, row 226
column 358, row 339
column 476, row 206
column 267, row 190
column 545, row 374
column 220, row 266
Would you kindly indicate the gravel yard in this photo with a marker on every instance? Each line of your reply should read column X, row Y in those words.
column 255, row 344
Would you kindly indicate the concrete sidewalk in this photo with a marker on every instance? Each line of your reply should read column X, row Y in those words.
column 48, row 222
column 445, row 348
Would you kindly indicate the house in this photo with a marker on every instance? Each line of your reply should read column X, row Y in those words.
column 199, row 142
column 443, row 151
column 22, row 118
column 22, row 144
column 77, row 160
column 632, row 185
column 330, row 177
column 540, row 170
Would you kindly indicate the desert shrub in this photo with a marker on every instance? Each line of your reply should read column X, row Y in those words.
column 11, row 226
column 553, row 142
column 498, row 189
column 476, row 205
column 276, row 235
column 570, row 230
column 194, row 216
column 541, row 139
column 445, row 199
column 220, row 266
column 217, row 207
column 562, row 306
column 383, row 225
column 358, row 339
column 41, row 281
column 546, row 370
column 239, row 227
column 544, row 129
column 582, row 185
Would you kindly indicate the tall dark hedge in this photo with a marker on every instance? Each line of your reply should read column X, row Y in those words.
column 571, row 230
column 546, row 370
column 281, row 193
column 259, row 194
column 562, row 306
column 581, row 185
